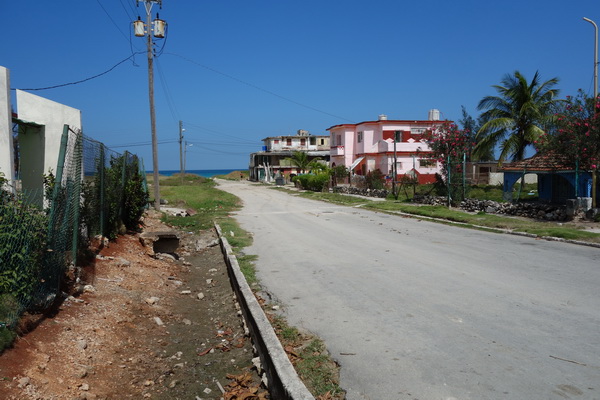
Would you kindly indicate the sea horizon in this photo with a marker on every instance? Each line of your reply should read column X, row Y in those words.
column 206, row 173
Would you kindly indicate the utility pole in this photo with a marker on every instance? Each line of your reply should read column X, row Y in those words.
column 181, row 167
column 151, row 29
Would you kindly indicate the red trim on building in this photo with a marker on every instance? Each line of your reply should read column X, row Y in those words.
column 389, row 122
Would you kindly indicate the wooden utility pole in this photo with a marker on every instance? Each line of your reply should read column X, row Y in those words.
column 152, row 29
column 181, row 167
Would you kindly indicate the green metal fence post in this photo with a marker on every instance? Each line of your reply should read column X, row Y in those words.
column 121, row 200
column 77, row 195
column 101, row 168
column 464, row 180
column 449, row 182
column 57, row 182
column 577, row 178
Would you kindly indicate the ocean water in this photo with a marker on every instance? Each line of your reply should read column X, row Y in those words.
column 207, row 173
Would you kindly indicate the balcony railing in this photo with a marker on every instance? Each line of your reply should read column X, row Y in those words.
column 337, row 150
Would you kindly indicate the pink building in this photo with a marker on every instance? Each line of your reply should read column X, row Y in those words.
column 369, row 145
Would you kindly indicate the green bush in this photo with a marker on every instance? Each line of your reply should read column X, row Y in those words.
column 126, row 198
column 375, row 180
column 23, row 230
column 316, row 183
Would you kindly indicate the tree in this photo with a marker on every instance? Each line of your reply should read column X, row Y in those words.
column 301, row 160
column 471, row 126
column 577, row 135
column 449, row 145
column 517, row 117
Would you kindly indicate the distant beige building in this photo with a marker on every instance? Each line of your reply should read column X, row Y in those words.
column 272, row 160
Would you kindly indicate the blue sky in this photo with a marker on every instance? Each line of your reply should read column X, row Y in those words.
column 237, row 71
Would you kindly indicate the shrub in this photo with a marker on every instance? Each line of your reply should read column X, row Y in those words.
column 316, row 183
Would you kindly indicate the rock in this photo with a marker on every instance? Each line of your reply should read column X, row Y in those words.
column 173, row 384
column 82, row 344
column 186, row 292
column 209, row 281
column 187, row 322
column 89, row 289
column 158, row 321
column 84, row 387
column 82, row 373
column 207, row 391
column 24, row 382
column 151, row 300
column 212, row 270
column 149, row 382
column 122, row 263
column 200, row 296
column 165, row 256
column 257, row 364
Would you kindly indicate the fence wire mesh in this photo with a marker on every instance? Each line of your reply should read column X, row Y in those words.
column 87, row 196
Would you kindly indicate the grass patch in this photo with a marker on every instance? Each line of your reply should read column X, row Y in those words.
column 310, row 358
column 246, row 263
column 491, row 221
column 199, row 194
column 234, row 176
column 540, row 228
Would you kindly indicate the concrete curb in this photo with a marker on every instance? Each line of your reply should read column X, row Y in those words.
column 282, row 379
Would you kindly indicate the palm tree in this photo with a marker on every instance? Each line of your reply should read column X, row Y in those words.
column 302, row 162
column 517, row 117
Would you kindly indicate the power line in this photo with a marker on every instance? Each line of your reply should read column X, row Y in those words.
column 112, row 20
column 141, row 144
column 259, row 88
column 86, row 79
column 218, row 151
column 189, row 124
column 165, row 87
column 131, row 17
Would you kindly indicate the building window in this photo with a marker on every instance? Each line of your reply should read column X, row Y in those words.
column 338, row 140
column 276, row 141
column 322, row 142
column 427, row 163
column 289, row 141
column 359, row 137
column 417, row 131
column 302, row 142
column 313, row 141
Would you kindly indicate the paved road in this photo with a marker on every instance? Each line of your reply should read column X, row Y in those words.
column 418, row 310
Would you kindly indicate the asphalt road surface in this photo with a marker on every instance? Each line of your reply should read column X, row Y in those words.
column 419, row 310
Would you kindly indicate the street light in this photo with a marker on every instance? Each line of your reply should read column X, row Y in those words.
column 594, row 178
column 595, row 56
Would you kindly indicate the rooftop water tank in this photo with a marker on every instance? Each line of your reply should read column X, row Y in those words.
column 382, row 117
column 434, row 115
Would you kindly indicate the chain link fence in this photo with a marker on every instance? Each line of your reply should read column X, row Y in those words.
column 94, row 192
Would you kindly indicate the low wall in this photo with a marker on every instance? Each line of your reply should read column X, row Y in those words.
column 543, row 211
column 381, row 193
column 282, row 379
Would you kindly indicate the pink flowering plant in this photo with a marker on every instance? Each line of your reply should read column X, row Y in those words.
column 577, row 133
column 449, row 144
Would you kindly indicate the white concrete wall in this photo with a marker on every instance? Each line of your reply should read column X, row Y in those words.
column 6, row 138
column 53, row 116
column 497, row 178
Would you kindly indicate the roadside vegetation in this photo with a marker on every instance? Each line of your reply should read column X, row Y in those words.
column 306, row 352
column 482, row 220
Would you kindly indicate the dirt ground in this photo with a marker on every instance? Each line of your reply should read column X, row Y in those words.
column 142, row 327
